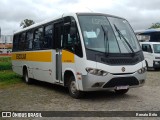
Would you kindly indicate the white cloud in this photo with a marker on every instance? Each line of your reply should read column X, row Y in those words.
column 140, row 13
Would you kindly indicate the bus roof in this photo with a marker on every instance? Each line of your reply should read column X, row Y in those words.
column 63, row 15
column 147, row 31
column 150, row 42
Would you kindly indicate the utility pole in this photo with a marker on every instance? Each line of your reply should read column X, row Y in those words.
column 0, row 32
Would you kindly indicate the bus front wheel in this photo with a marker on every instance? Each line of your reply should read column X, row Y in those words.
column 73, row 89
column 26, row 78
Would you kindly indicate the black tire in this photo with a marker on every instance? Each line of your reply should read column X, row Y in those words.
column 26, row 78
column 73, row 90
column 121, row 92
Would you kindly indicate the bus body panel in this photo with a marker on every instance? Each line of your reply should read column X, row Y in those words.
column 37, row 66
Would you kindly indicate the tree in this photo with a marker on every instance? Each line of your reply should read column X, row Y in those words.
column 25, row 23
column 155, row 25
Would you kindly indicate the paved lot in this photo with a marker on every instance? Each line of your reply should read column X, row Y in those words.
column 47, row 97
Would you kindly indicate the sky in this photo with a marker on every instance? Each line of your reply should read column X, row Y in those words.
column 140, row 13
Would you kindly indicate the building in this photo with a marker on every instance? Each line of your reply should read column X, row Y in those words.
column 151, row 35
column 6, row 43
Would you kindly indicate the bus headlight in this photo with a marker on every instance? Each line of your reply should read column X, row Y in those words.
column 142, row 70
column 97, row 72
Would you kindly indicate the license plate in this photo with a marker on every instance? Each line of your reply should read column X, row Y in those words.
column 122, row 87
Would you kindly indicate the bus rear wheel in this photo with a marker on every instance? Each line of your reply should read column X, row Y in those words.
column 73, row 89
column 26, row 78
column 121, row 92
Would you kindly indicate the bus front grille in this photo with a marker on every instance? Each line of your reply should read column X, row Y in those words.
column 122, row 81
column 120, row 61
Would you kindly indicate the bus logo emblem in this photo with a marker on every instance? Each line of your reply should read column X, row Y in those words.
column 123, row 69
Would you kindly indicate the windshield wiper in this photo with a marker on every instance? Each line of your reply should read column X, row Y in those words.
column 106, row 42
column 121, row 35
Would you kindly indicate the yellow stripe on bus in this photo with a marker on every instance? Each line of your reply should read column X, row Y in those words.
column 45, row 56
column 67, row 57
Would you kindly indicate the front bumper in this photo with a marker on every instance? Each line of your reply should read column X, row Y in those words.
column 156, row 64
column 110, row 82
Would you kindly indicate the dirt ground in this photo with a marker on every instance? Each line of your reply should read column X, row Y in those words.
column 42, row 96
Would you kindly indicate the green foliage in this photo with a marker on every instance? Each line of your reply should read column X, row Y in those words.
column 155, row 25
column 7, row 76
column 5, row 63
column 25, row 23
column 5, row 59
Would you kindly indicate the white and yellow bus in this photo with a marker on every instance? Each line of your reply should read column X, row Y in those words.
column 81, row 51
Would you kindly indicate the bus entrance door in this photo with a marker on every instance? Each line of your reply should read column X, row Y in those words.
column 58, row 36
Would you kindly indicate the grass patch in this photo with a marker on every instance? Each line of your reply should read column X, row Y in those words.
column 5, row 63
column 7, row 76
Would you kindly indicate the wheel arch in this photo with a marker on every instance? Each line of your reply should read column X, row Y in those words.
column 67, row 74
column 24, row 68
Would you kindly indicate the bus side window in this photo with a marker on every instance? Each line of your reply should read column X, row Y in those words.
column 15, row 42
column 38, row 38
column 67, row 40
column 29, row 40
column 48, row 37
column 78, row 46
column 71, row 39
column 22, row 41
column 58, row 34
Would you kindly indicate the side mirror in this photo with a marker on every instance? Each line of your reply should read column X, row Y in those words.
column 73, row 29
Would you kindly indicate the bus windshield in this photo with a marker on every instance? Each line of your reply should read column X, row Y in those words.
column 108, row 34
column 156, row 48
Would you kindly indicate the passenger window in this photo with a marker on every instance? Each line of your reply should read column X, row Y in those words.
column 22, row 42
column 146, row 48
column 68, row 42
column 58, row 35
column 71, row 39
column 29, row 40
column 38, row 38
column 15, row 43
column 48, row 36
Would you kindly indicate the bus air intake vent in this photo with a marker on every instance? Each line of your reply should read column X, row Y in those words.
column 126, row 61
column 122, row 81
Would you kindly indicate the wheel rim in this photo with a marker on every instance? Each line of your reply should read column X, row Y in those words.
column 73, row 87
